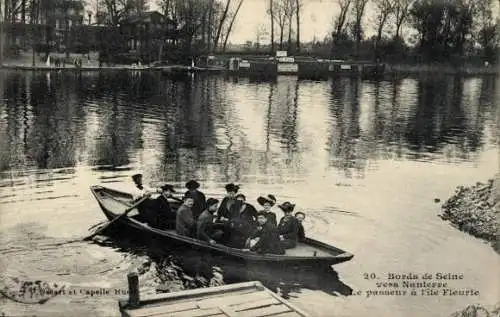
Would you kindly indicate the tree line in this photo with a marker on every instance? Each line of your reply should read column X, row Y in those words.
column 443, row 30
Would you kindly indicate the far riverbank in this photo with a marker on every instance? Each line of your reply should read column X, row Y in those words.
column 306, row 65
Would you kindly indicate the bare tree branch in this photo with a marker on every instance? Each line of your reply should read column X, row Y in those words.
column 401, row 12
column 341, row 19
column 230, row 27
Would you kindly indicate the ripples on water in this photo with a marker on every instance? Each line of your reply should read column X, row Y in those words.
column 320, row 144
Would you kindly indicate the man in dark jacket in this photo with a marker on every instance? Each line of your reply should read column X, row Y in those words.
column 205, row 225
column 184, row 222
column 265, row 237
column 242, row 223
column 165, row 216
column 301, row 234
column 288, row 227
column 198, row 197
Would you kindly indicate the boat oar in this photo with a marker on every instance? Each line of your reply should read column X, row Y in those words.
column 129, row 209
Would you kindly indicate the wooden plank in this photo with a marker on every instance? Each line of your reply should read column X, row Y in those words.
column 228, row 311
column 160, row 302
column 200, row 292
column 232, row 300
column 156, row 310
column 287, row 314
column 265, row 311
column 197, row 313
column 257, row 304
column 170, row 315
column 292, row 307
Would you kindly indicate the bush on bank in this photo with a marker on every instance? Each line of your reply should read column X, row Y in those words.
column 475, row 209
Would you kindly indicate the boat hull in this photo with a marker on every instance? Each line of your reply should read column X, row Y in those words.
column 169, row 239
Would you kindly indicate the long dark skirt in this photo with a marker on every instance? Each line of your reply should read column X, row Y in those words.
column 288, row 243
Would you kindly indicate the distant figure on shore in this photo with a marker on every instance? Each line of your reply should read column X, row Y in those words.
column 199, row 198
column 301, row 234
column 268, row 202
column 205, row 225
column 288, row 227
column 265, row 237
column 184, row 222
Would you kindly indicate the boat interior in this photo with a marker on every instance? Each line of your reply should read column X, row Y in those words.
column 117, row 202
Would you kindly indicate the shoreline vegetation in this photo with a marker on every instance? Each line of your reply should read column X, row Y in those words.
column 475, row 210
column 390, row 68
column 478, row 310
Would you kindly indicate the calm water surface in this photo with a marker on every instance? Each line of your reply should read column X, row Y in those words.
column 363, row 159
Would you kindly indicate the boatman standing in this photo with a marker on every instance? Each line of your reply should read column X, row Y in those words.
column 146, row 212
column 140, row 190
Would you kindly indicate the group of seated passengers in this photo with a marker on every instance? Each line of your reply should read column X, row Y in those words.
column 233, row 222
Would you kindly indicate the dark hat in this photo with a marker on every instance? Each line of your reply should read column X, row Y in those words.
column 300, row 213
column 168, row 187
column 212, row 201
column 241, row 196
column 192, row 184
column 287, row 206
column 268, row 199
column 232, row 188
column 262, row 213
column 135, row 177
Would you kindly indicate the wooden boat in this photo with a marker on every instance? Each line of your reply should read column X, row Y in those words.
column 311, row 254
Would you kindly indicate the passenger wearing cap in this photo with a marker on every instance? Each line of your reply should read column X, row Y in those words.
column 205, row 225
column 165, row 215
column 288, row 227
column 265, row 238
column 199, row 198
column 268, row 202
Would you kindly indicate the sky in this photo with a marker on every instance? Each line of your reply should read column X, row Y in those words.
column 316, row 20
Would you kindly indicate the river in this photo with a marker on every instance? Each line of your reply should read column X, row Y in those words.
column 364, row 159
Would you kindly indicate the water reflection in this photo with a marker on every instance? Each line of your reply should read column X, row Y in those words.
column 224, row 129
column 197, row 264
